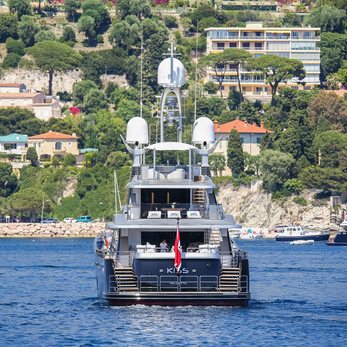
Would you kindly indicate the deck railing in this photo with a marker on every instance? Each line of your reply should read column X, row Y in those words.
column 177, row 284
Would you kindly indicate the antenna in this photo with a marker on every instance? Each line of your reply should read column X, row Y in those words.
column 141, row 75
column 196, row 68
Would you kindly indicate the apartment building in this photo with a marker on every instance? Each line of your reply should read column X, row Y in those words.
column 295, row 43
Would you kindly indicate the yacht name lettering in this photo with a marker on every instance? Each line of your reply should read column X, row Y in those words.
column 171, row 270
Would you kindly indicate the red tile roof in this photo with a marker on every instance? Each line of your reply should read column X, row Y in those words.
column 52, row 135
column 240, row 126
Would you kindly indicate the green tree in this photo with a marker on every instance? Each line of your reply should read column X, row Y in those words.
column 8, row 181
column 124, row 34
column 276, row 168
column 52, row 56
column 331, row 149
column 15, row 46
column 235, row 154
column 69, row 160
column 210, row 107
column 86, row 24
column 45, row 35
column 20, row 7
column 219, row 63
column 68, row 34
column 341, row 74
column 333, row 52
column 32, row 156
column 11, row 60
column 128, row 109
column 121, row 93
column 18, row 120
column 26, row 203
column 117, row 160
column 297, row 138
column 277, row 69
column 326, row 179
column 28, row 27
column 80, row 90
column 252, row 164
column 210, row 87
column 71, row 7
column 328, row 111
column 94, row 101
column 98, row 11
column 137, row 8
column 8, row 26
column 217, row 163
column 328, row 18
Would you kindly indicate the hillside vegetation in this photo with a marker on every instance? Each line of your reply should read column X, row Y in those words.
column 307, row 146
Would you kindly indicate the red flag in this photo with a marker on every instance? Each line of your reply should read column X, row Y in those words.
column 177, row 246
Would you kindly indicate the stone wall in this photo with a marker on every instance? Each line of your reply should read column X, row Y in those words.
column 50, row 230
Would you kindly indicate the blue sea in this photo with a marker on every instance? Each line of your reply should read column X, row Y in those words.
column 48, row 298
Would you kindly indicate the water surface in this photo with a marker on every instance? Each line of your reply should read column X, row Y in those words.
column 48, row 298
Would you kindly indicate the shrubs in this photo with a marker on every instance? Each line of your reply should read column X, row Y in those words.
column 170, row 22
column 11, row 60
column 300, row 200
column 15, row 46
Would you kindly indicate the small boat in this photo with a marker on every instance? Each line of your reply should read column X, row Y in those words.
column 302, row 242
column 250, row 234
column 234, row 233
column 294, row 233
column 340, row 239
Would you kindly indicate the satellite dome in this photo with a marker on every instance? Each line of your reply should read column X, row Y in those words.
column 137, row 131
column 164, row 73
column 203, row 131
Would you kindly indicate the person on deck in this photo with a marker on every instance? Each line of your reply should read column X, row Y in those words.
column 163, row 246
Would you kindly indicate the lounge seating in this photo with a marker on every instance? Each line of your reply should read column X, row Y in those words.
column 193, row 214
column 174, row 214
column 154, row 215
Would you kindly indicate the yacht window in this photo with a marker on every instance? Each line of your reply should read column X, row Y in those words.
column 212, row 199
column 188, row 239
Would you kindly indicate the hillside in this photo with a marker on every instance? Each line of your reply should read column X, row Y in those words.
column 252, row 207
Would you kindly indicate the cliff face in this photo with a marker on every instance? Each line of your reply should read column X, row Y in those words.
column 252, row 207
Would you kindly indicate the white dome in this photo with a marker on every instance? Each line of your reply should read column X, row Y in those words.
column 137, row 131
column 203, row 131
column 164, row 73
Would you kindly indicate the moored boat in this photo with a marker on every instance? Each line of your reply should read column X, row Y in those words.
column 294, row 233
column 339, row 239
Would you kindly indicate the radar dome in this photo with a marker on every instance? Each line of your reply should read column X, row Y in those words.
column 137, row 131
column 164, row 73
column 203, row 131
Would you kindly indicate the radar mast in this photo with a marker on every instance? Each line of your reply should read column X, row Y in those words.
column 171, row 76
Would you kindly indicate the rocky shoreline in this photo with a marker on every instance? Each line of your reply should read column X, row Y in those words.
column 30, row 230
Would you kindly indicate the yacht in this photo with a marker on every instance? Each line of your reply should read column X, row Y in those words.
column 294, row 233
column 171, row 244
column 339, row 239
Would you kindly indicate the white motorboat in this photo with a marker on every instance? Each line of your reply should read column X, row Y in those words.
column 302, row 242
column 295, row 233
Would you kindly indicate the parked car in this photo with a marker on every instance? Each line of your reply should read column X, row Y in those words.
column 69, row 220
column 49, row 221
column 84, row 219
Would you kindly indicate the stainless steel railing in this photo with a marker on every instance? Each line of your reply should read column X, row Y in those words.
column 177, row 284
